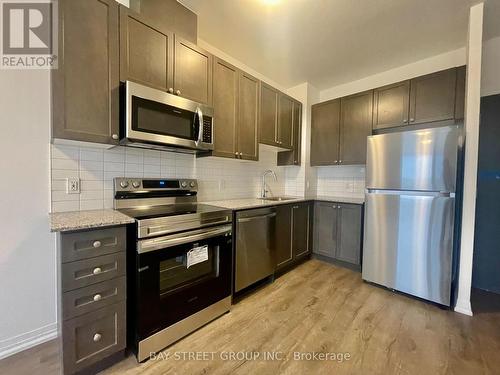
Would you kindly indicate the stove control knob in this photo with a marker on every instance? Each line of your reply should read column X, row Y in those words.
column 184, row 184
column 124, row 184
column 192, row 184
column 136, row 184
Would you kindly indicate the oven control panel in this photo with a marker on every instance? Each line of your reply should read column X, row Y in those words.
column 154, row 184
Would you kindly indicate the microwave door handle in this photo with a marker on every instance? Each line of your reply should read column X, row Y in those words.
column 200, row 126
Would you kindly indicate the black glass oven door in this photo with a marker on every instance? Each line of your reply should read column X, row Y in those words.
column 164, row 120
column 177, row 281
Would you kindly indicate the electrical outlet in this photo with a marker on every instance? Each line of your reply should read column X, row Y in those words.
column 73, row 185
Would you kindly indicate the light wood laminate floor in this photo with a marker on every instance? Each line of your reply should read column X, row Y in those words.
column 324, row 309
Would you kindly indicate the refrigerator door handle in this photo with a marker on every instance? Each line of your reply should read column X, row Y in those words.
column 411, row 192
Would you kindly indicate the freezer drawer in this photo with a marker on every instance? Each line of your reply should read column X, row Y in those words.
column 423, row 160
column 408, row 243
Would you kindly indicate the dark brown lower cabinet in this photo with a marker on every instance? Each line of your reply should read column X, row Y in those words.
column 92, row 300
column 293, row 230
column 338, row 232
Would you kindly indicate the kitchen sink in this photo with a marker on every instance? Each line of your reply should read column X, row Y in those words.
column 277, row 199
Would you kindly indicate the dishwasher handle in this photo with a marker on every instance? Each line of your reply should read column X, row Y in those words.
column 259, row 217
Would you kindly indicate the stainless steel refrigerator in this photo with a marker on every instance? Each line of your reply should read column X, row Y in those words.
column 411, row 180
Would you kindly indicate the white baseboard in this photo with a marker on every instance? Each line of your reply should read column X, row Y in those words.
column 464, row 308
column 27, row 340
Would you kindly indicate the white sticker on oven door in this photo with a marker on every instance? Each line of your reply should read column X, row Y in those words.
column 197, row 255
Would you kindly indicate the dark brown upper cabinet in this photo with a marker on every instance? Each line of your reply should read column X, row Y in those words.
column 180, row 20
column 236, row 101
column 192, row 72
column 225, row 101
column 293, row 157
column 248, row 116
column 285, row 121
column 391, row 105
column 276, row 117
column 432, row 97
column 152, row 55
column 146, row 51
column 325, row 127
column 85, row 88
column 355, row 126
column 269, row 102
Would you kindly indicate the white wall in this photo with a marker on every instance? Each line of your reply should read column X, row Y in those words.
column 27, row 253
column 419, row 68
column 490, row 74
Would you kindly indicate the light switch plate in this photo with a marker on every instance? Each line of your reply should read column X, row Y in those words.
column 73, row 185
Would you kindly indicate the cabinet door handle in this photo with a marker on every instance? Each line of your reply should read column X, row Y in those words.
column 171, row 90
column 178, row 92
column 97, row 244
column 412, row 120
column 335, row 161
column 340, row 161
column 405, row 120
column 114, row 136
column 97, row 337
column 97, row 297
column 97, row 270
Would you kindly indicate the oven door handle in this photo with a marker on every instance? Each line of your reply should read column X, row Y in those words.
column 146, row 246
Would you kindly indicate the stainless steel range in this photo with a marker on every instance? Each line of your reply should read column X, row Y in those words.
column 181, row 272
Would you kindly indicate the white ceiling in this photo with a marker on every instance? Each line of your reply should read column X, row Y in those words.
column 329, row 42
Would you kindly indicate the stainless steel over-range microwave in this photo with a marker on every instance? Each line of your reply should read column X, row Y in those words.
column 156, row 119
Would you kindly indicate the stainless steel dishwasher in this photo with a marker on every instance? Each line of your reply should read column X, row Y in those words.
column 255, row 246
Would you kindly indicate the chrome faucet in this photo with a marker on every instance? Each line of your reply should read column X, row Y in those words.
column 264, row 191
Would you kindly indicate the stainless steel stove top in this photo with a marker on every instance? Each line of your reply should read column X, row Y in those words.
column 165, row 206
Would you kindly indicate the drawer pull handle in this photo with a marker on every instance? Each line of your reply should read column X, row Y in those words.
column 97, row 298
column 97, row 271
column 97, row 244
column 97, row 337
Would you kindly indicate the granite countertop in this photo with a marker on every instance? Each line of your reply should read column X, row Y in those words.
column 78, row 220
column 243, row 203
column 240, row 204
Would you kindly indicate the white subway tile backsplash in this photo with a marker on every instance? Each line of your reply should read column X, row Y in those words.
column 91, row 175
column 91, row 154
column 62, row 174
column 218, row 178
column 65, row 206
column 341, row 181
column 90, row 165
column 92, row 195
column 65, row 152
column 65, row 164
column 91, row 204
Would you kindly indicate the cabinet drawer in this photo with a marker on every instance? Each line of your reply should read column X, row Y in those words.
column 93, row 297
column 88, row 244
column 94, row 336
column 91, row 271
